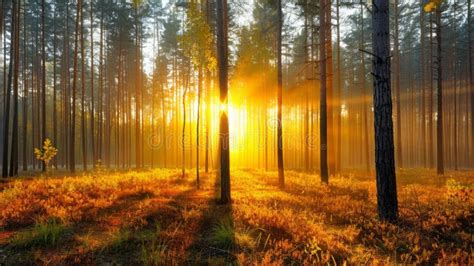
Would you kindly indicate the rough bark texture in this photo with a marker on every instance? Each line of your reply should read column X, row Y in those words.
column 384, row 148
column 222, row 56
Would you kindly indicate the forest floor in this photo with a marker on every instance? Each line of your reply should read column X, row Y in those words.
column 156, row 217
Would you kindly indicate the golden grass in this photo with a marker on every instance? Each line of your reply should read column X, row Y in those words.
column 156, row 217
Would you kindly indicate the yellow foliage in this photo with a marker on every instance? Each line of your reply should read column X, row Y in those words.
column 307, row 223
column 46, row 153
column 432, row 5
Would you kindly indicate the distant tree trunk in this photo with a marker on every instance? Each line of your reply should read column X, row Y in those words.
column 197, row 123
column 25, row 97
column 137, row 92
column 323, row 105
column 92, row 119
column 330, row 91
column 6, row 114
column 101, row 88
column 222, row 55
column 16, row 45
column 183, row 133
column 208, row 95
column 365, row 122
column 339, row 94
column 83, row 96
column 72, row 157
column 396, row 59
column 423, row 86
column 281, row 173
column 455, row 107
column 55, row 116
column 384, row 149
column 430, row 98
column 43, row 79
column 470, row 74
column 439, row 95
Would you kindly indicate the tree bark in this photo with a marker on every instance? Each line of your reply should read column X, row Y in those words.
column 384, row 149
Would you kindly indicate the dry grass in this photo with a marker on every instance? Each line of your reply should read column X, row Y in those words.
column 155, row 217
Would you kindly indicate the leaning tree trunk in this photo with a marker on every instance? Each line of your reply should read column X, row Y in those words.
column 384, row 148
column 222, row 56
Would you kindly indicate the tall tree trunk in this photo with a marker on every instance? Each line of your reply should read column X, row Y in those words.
column 422, row 83
column 197, row 123
column 323, row 106
column 470, row 74
column 330, row 91
column 43, row 79
column 55, row 117
column 25, row 97
column 137, row 93
column 6, row 114
column 439, row 95
column 83, row 96
column 365, row 122
column 92, row 119
column 430, row 100
column 101, row 88
column 384, row 149
column 396, row 58
column 14, row 150
column 281, row 173
column 339, row 94
column 222, row 56
column 72, row 157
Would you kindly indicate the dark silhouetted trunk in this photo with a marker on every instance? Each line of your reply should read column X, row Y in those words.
column 323, row 106
column 384, row 148
column 281, row 173
column 222, row 57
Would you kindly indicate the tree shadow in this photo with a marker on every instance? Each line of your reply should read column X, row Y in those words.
column 214, row 240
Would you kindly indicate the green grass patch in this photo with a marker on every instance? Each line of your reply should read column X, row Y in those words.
column 43, row 234
column 222, row 234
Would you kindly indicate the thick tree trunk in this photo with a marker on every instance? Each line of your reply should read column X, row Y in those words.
column 384, row 148
column 83, row 96
column 222, row 57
